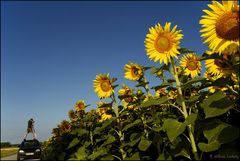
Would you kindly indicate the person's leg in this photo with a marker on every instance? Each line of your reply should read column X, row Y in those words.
column 26, row 135
column 34, row 134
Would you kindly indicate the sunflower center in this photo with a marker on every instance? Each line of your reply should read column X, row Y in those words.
column 81, row 105
column 134, row 71
column 105, row 86
column 227, row 26
column 163, row 44
column 192, row 65
column 221, row 63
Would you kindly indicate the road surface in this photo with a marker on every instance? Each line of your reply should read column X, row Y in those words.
column 11, row 157
column 14, row 157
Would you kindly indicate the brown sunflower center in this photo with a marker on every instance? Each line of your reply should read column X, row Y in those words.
column 105, row 86
column 81, row 105
column 227, row 26
column 221, row 63
column 128, row 93
column 163, row 43
column 134, row 71
column 192, row 65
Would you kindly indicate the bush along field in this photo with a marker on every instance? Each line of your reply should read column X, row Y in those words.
column 191, row 115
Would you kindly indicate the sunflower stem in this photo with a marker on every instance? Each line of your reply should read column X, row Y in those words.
column 184, row 109
column 121, row 136
column 146, row 86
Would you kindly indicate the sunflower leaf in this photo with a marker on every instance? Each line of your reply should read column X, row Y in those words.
column 153, row 102
column 216, row 104
column 185, row 50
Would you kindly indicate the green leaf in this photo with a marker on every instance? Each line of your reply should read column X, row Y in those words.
column 105, row 125
column 73, row 143
column 213, row 146
column 154, row 102
column 108, row 157
column 221, row 132
column 216, row 104
column 98, row 153
column 192, row 81
column 109, row 140
column 185, row 50
column 218, row 133
column 81, row 153
column 184, row 153
column 190, row 120
column 163, row 156
column 212, row 56
column 144, row 144
column 156, row 128
column 135, row 156
column 82, row 132
column 133, row 142
column 136, row 122
column 228, row 134
column 164, row 84
column 173, row 128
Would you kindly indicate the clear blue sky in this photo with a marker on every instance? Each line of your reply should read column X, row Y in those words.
column 52, row 51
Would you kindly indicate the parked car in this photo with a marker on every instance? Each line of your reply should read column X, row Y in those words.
column 29, row 149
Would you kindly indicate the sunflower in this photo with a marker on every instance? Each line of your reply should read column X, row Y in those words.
column 191, row 65
column 133, row 71
column 102, row 107
column 56, row 132
column 127, row 92
column 105, row 117
column 162, row 43
column 65, row 126
column 221, row 26
column 102, row 111
column 72, row 115
column 218, row 66
column 160, row 92
column 80, row 105
column 209, row 76
column 173, row 94
column 103, row 85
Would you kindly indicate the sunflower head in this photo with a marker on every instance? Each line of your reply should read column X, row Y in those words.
column 191, row 65
column 102, row 107
column 56, row 132
column 102, row 110
column 126, row 92
column 173, row 94
column 163, row 43
column 133, row 71
column 65, row 126
column 80, row 105
column 160, row 92
column 219, row 66
column 221, row 26
column 103, row 85
column 72, row 115
column 105, row 117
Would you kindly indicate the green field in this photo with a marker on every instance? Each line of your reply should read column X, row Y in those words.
column 8, row 151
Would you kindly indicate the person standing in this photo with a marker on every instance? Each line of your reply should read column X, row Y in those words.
column 30, row 129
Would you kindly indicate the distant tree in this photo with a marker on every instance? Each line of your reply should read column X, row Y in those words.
column 5, row 144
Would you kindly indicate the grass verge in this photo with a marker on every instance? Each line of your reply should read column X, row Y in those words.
column 8, row 151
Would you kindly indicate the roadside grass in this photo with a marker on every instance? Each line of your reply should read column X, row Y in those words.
column 8, row 151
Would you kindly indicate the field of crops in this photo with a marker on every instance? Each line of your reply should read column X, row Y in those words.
column 193, row 114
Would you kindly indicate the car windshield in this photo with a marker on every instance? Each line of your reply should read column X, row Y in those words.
column 30, row 144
